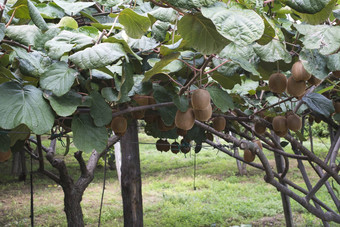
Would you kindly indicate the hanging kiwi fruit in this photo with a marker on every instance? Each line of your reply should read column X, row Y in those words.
column 159, row 145
column 281, row 133
column 277, row 83
column 209, row 136
column 181, row 132
column 166, row 145
column 219, row 123
column 280, row 124
column 175, row 147
column 141, row 100
column 138, row 114
column 260, row 128
column 295, row 88
column 200, row 99
column 314, row 81
column 258, row 142
column 203, row 115
column 119, row 125
column 185, row 120
column 294, row 122
column 299, row 72
column 185, row 146
column 248, row 156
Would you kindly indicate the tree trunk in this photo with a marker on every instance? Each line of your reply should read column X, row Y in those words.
column 74, row 213
column 131, row 178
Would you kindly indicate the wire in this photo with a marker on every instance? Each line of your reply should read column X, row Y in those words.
column 101, row 202
column 32, row 204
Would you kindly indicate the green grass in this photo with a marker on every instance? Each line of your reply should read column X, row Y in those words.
column 221, row 198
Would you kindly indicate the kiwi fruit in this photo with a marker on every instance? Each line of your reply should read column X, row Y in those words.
column 119, row 125
column 149, row 117
column 281, row 133
column 181, row 132
column 336, row 74
column 151, row 100
column 317, row 119
column 209, row 136
column 258, row 142
column 295, row 88
column 337, row 106
column 280, row 124
column 248, row 156
column 219, row 123
column 185, row 146
column 138, row 114
column 314, row 81
column 185, row 120
column 260, row 128
column 166, row 146
column 175, row 147
column 269, row 118
column 277, row 83
column 299, row 72
column 203, row 115
column 4, row 156
column 159, row 145
column 294, row 122
column 200, row 99
column 141, row 100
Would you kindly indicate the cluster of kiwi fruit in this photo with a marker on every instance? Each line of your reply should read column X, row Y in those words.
column 175, row 147
column 200, row 109
column 142, row 100
column 281, row 124
column 296, row 84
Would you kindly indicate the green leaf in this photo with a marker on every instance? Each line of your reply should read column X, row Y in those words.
column 98, row 56
column 20, row 10
column 68, row 22
column 72, row 8
column 110, row 94
column 159, row 66
column 189, row 4
column 58, row 78
column 87, row 136
column 2, row 31
column 100, row 111
column 306, row 6
column 65, row 105
column 126, row 83
column 161, row 95
column 314, row 63
column 201, row 34
column 221, row 98
column 333, row 62
column 181, row 102
column 5, row 142
column 269, row 32
column 164, row 14
column 272, row 52
column 15, row 136
column 134, row 24
column 319, row 104
column 112, row 3
column 227, row 82
column 124, row 44
column 50, row 10
column 318, row 17
column 323, row 37
column 24, row 105
column 65, row 42
column 24, row 34
column 240, row 26
column 36, row 17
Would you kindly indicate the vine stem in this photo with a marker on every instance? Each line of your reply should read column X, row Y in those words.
column 12, row 16
column 3, row 9
column 268, row 107
column 212, row 70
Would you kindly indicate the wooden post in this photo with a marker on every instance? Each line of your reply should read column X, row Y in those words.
column 131, row 183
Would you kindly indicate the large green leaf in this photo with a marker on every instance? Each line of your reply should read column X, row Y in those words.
column 269, row 32
column 24, row 105
column 126, row 83
column 159, row 66
column 20, row 132
column 58, row 78
column 135, row 25
column 164, row 14
column 201, row 34
column 87, row 136
column 100, row 111
column 323, row 37
column 189, row 4
column 24, row 34
column 36, row 17
column 314, row 63
column 65, row 105
column 50, row 10
column 227, row 82
column 242, row 26
column 65, row 42
column 319, row 104
column 221, row 98
column 320, row 16
column 272, row 52
column 112, row 3
column 98, row 56
column 161, row 95
column 72, row 8
column 307, row 6
column 333, row 62
column 181, row 102
column 2, row 31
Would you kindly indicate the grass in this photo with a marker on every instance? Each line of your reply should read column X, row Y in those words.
column 221, row 198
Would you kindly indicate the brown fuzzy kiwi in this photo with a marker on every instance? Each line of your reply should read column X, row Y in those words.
column 141, row 100
column 294, row 122
column 258, row 142
column 280, row 124
column 151, row 100
column 200, row 99
column 281, row 133
column 269, row 118
column 314, row 81
column 159, row 145
column 337, row 106
column 336, row 74
column 119, row 125
column 185, row 146
column 185, row 120
column 138, row 114
column 203, row 115
column 4, row 156
column 150, row 117
column 260, row 128
column 248, row 156
column 299, row 72
column 175, row 147
column 166, row 146
column 219, row 123
column 277, row 82
column 295, row 88
column 209, row 136
column 181, row 132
